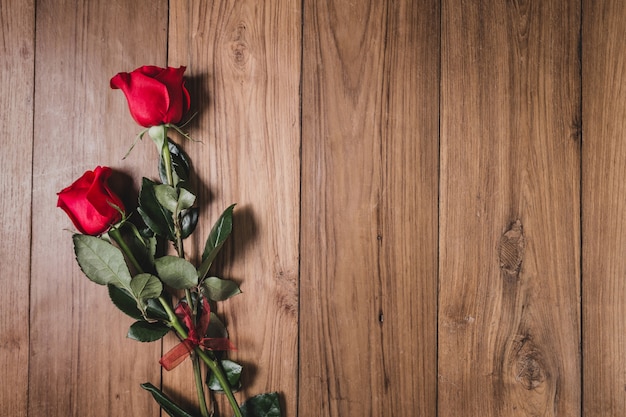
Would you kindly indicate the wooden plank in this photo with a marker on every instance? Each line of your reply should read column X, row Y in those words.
column 369, row 208
column 17, row 58
column 244, row 60
column 81, row 361
column 604, row 167
column 509, row 209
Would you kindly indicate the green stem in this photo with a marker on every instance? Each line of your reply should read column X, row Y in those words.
column 210, row 362
column 167, row 158
column 174, row 322
column 116, row 235
column 219, row 374
column 197, row 373
column 182, row 333
column 167, row 162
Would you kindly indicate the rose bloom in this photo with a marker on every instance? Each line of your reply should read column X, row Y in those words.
column 155, row 95
column 90, row 204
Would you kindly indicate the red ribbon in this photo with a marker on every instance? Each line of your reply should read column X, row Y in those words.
column 195, row 338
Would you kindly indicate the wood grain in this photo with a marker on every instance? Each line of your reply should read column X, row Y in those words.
column 509, row 244
column 409, row 178
column 244, row 62
column 369, row 220
column 81, row 362
column 17, row 60
column 604, row 208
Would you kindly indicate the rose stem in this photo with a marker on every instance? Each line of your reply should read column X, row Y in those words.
column 117, row 237
column 206, row 358
column 197, row 372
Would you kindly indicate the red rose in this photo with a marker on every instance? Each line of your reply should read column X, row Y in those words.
column 155, row 95
column 89, row 202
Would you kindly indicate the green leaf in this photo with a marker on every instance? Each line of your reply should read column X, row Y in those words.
column 219, row 233
column 188, row 221
column 185, row 199
column 125, row 301
column 216, row 327
column 169, row 406
column 144, row 287
column 262, row 405
column 176, row 272
column 167, row 196
column 232, row 370
column 155, row 310
column 144, row 331
column 218, row 289
column 155, row 216
column 102, row 262
column 122, row 299
column 180, row 164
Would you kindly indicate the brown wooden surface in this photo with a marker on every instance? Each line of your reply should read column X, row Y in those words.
column 17, row 60
column 509, row 276
column 80, row 360
column 244, row 62
column 604, row 208
column 409, row 176
column 369, row 209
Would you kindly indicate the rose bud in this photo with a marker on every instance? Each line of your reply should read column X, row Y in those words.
column 90, row 204
column 155, row 95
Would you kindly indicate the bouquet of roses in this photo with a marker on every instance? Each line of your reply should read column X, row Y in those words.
column 124, row 250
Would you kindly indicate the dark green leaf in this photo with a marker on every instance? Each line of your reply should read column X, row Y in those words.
column 102, row 262
column 218, row 289
column 144, row 287
column 156, row 217
column 176, row 272
column 219, row 233
column 155, row 310
column 232, row 370
column 143, row 331
column 188, row 221
column 122, row 299
column 167, row 196
column 169, row 406
column 180, row 164
column 262, row 405
column 185, row 199
column 216, row 327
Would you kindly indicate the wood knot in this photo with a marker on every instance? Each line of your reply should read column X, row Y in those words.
column 528, row 363
column 239, row 45
column 511, row 249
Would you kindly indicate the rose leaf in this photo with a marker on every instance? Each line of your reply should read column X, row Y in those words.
column 144, row 287
column 169, row 406
column 232, row 370
column 262, row 405
column 143, row 331
column 218, row 289
column 218, row 235
column 102, row 262
column 176, row 272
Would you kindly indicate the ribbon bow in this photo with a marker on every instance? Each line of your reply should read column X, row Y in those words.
column 195, row 337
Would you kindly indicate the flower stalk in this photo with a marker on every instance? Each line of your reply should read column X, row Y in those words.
column 206, row 357
column 199, row 353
